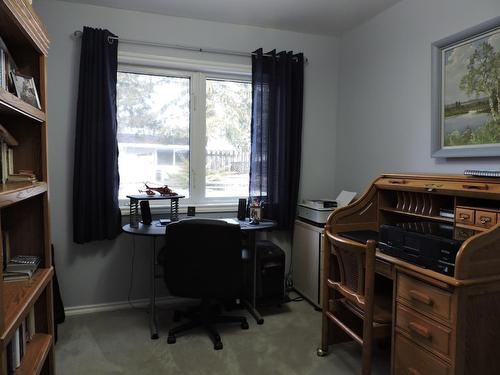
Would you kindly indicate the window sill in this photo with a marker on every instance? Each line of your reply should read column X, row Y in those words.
column 200, row 208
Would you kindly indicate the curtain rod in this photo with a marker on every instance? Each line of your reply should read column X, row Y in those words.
column 111, row 39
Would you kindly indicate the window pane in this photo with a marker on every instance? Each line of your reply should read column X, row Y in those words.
column 228, row 138
column 153, row 132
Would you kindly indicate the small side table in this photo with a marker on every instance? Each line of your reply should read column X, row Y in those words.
column 135, row 215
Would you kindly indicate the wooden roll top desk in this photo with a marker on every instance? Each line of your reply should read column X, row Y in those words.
column 441, row 324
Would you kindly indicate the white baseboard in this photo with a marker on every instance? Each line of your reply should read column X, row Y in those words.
column 114, row 306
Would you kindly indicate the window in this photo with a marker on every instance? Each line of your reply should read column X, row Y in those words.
column 190, row 131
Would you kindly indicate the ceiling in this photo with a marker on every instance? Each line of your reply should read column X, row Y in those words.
column 330, row 17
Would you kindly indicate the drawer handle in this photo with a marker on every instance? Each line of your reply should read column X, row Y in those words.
column 464, row 217
column 412, row 371
column 485, row 219
column 420, row 297
column 419, row 330
column 397, row 182
column 432, row 187
column 475, row 187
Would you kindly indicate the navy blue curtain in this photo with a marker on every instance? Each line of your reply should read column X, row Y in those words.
column 277, row 98
column 96, row 214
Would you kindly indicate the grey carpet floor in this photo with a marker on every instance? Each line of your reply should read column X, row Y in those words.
column 118, row 343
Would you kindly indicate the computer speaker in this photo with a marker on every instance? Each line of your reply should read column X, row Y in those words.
column 145, row 213
column 242, row 209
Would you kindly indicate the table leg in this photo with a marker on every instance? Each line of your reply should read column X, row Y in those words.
column 251, row 305
column 153, row 324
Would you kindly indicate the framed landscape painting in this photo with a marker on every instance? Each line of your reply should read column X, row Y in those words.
column 466, row 93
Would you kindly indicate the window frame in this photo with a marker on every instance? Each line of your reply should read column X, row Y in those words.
column 198, row 72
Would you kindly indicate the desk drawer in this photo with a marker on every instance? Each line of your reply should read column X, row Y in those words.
column 464, row 216
column 486, row 219
column 423, row 331
column 423, row 297
column 410, row 359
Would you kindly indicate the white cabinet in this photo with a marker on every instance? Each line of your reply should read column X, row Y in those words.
column 307, row 257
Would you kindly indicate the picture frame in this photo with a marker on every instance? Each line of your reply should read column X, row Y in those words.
column 465, row 106
column 26, row 89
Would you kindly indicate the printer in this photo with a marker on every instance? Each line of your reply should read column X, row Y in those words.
column 317, row 211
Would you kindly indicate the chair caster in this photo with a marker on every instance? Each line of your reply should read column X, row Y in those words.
column 154, row 336
column 218, row 345
column 260, row 321
column 321, row 353
column 244, row 325
column 171, row 339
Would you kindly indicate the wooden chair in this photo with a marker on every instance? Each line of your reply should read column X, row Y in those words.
column 354, row 292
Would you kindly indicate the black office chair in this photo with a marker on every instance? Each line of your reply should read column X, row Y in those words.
column 202, row 259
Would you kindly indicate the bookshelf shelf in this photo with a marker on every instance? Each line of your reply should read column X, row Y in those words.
column 36, row 352
column 19, row 297
column 14, row 192
column 9, row 104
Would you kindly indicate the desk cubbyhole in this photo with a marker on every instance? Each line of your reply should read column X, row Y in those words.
column 404, row 206
column 489, row 204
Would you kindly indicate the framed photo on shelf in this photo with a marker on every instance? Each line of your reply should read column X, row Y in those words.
column 465, row 94
column 26, row 89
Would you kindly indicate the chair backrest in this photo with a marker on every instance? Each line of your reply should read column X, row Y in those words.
column 356, row 263
column 202, row 258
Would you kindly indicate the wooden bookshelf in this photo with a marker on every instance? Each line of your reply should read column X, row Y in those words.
column 24, row 208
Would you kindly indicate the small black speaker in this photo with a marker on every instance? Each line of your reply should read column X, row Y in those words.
column 242, row 209
column 146, row 213
column 191, row 211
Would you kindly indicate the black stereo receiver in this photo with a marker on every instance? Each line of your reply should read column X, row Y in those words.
column 427, row 244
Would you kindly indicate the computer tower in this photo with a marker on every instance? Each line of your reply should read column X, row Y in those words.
column 270, row 275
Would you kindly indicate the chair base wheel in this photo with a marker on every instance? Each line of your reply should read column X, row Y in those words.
column 171, row 339
column 321, row 353
column 218, row 345
column 244, row 325
column 154, row 336
column 260, row 321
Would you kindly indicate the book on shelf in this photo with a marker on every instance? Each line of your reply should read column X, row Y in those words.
column 16, row 350
column 8, row 65
column 3, row 69
column 18, row 275
column 21, row 177
column 5, row 248
column 10, row 359
column 21, row 267
column 23, row 261
column 31, row 323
